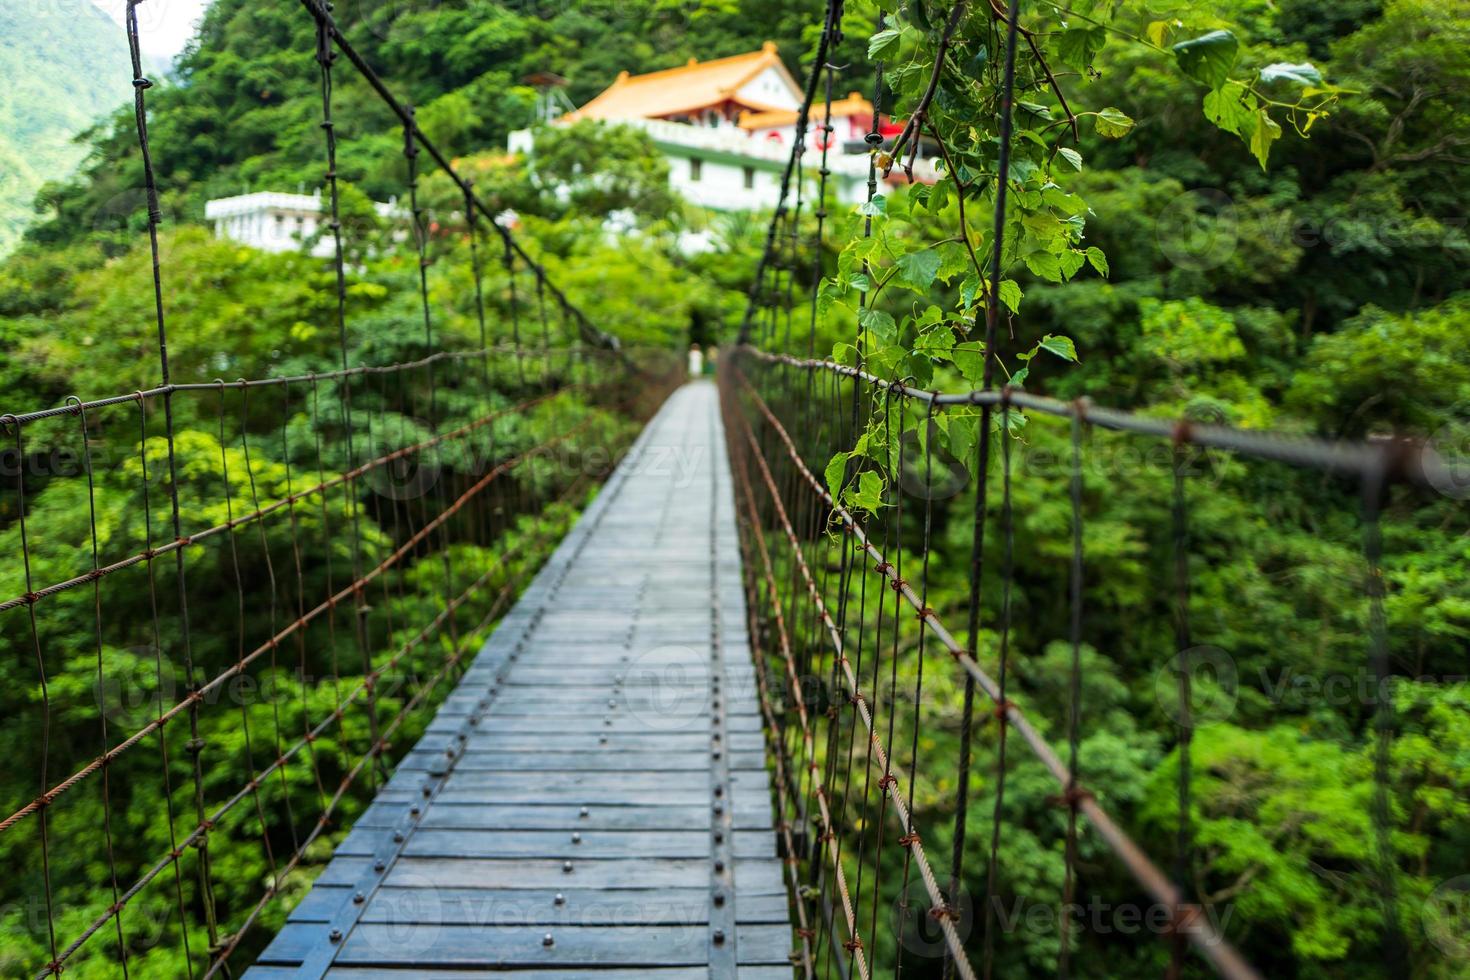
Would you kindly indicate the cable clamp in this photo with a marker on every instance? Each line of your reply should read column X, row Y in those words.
column 1071, row 796
column 1184, row 919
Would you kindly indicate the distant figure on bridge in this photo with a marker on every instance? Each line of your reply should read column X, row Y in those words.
column 696, row 361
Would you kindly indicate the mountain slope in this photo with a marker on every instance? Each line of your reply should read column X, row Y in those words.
column 65, row 66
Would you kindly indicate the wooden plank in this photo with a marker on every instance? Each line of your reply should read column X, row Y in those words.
column 432, row 973
column 497, row 947
column 551, row 817
column 480, row 843
column 413, row 872
column 594, row 759
column 480, row 906
column 566, row 742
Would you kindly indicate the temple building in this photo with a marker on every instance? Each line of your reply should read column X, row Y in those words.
column 726, row 127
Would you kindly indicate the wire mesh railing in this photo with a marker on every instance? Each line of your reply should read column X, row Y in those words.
column 229, row 604
column 896, row 677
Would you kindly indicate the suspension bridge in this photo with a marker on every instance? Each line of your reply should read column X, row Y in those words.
column 677, row 747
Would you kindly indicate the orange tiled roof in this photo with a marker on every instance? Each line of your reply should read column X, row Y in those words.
column 692, row 86
column 853, row 105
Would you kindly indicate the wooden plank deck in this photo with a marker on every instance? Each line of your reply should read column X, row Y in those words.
column 592, row 799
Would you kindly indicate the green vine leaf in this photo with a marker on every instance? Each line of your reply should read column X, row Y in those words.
column 1077, row 46
column 1010, row 294
column 969, row 358
column 1061, row 346
column 1098, row 260
column 1113, row 123
column 917, row 270
column 1266, row 132
column 835, row 472
column 1209, row 57
column 936, row 343
column 867, row 494
column 883, row 44
column 1232, row 108
column 1303, row 74
column 878, row 323
column 1045, row 265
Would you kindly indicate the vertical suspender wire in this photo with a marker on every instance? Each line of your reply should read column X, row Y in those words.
column 911, row 834
column 270, row 572
column 122, row 947
column 833, row 36
column 982, row 467
column 25, row 553
column 1183, row 640
column 168, row 790
column 897, row 624
column 1074, row 699
column 887, row 779
column 421, row 244
column 326, row 56
column 248, row 742
column 833, row 29
column 546, row 368
column 327, row 538
column 196, row 743
column 1374, row 489
column 301, row 635
column 472, row 224
column 793, row 167
column 874, row 140
column 1008, row 547
column 515, row 313
column 794, row 217
column 972, row 648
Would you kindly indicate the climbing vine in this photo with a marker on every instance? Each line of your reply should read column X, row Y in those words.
column 917, row 270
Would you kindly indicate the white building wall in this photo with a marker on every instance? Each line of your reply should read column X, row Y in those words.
column 770, row 88
column 274, row 222
column 722, row 185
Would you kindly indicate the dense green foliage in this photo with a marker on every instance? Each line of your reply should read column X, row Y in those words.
column 1191, row 251
column 65, row 66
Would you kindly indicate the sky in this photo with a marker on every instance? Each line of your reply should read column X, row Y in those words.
column 164, row 26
